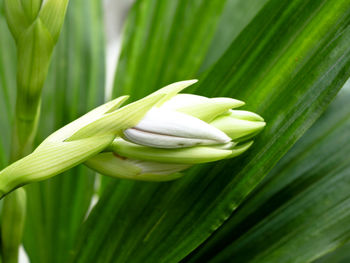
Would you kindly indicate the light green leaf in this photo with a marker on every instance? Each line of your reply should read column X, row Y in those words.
column 287, row 65
column 301, row 211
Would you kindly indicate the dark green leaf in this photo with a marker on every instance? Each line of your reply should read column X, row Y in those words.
column 235, row 17
column 340, row 255
column 164, row 41
column 75, row 84
column 301, row 211
column 287, row 65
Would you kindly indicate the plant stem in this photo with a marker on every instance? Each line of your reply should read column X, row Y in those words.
column 14, row 204
column 36, row 37
column 12, row 225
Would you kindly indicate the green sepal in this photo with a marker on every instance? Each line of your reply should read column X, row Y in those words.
column 207, row 111
column 52, row 14
column 34, row 50
column 16, row 17
column 114, row 122
column 191, row 155
column 21, row 15
column 159, row 177
column 31, row 8
column 109, row 164
column 239, row 129
column 240, row 149
column 93, row 115
column 245, row 115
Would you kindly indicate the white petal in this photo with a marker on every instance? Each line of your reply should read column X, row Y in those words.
column 163, row 141
column 178, row 124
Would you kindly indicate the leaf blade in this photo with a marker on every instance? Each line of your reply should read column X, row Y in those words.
column 302, row 206
column 168, row 221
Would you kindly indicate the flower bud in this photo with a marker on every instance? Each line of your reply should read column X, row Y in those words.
column 35, row 26
column 187, row 120
column 163, row 128
column 179, row 131
column 152, row 139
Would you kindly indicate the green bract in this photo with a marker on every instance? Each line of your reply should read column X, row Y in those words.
column 75, row 143
column 115, row 141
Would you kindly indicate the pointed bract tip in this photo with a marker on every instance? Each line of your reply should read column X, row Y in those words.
column 246, row 115
column 231, row 103
column 190, row 81
column 116, row 103
column 239, row 149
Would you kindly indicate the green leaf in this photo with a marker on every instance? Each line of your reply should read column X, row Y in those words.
column 235, row 17
column 75, row 85
column 301, row 211
column 169, row 45
column 287, row 64
column 340, row 255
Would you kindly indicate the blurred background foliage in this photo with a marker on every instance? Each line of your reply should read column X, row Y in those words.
column 286, row 59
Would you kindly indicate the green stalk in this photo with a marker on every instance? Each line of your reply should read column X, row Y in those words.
column 35, row 26
column 14, row 204
column 12, row 225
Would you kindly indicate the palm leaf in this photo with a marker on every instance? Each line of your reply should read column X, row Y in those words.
column 75, row 85
column 301, row 211
column 170, row 43
column 340, row 255
column 287, row 64
column 235, row 17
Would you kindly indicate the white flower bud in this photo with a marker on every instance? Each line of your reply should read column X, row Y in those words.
column 163, row 128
